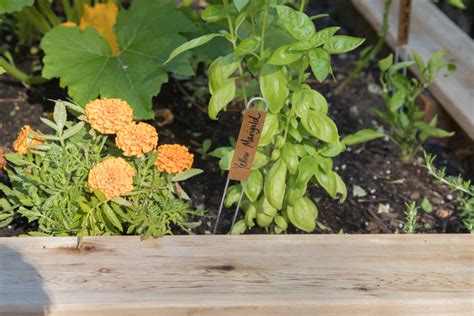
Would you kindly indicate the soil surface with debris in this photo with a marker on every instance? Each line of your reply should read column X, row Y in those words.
column 379, row 184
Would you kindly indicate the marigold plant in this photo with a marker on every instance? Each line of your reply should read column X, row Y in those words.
column 174, row 158
column 108, row 116
column 77, row 182
column 137, row 139
column 26, row 140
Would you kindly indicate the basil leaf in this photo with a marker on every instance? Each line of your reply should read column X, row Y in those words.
column 275, row 184
column 361, row 136
column 274, row 86
column 270, row 129
column 289, row 155
column 305, row 99
column 342, row 44
column 214, row 13
column 303, row 214
column 254, row 185
column 320, row 61
column 320, row 126
column 298, row 24
column 196, row 42
column 284, row 56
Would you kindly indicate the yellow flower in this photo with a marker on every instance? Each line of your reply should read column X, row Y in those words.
column 69, row 24
column 102, row 17
column 174, row 158
column 26, row 140
column 108, row 116
column 113, row 177
column 137, row 139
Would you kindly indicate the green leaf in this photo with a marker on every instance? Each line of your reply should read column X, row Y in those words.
column 361, row 136
column 270, row 129
column 254, row 185
column 250, row 215
column 283, row 56
column 9, row 6
column 246, row 46
column 60, row 115
column 386, row 63
column 340, row 44
column 16, row 159
column 192, row 44
column 275, row 184
column 341, row 188
column 328, row 181
column 238, row 228
column 305, row 99
column 396, row 101
column 214, row 13
column 186, row 174
column 426, row 205
column 233, row 195
column 323, row 36
column 221, row 69
column 458, row 4
column 73, row 130
column 320, row 126
column 265, row 213
column 303, row 214
column 274, row 86
column 330, row 150
column 146, row 34
column 290, row 156
column 112, row 217
column 221, row 97
column 320, row 61
column 2, row 70
column 240, row 4
column 298, row 24
column 306, row 169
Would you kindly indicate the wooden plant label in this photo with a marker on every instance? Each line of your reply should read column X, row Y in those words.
column 404, row 22
column 249, row 135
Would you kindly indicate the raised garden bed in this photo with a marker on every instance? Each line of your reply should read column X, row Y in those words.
column 232, row 275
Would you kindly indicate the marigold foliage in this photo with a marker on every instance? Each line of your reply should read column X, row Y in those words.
column 174, row 158
column 26, row 140
column 113, row 177
column 108, row 116
column 137, row 139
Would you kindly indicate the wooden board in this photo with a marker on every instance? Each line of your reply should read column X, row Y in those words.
column 239, row 275
column 431, row 31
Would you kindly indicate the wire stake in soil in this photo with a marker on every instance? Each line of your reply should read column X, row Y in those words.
column 242, row 161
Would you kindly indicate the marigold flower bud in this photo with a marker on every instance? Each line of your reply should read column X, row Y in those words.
column 174, row 158
column 26, row 140
column 108, row 116
column 112, row 176
column 137, row 139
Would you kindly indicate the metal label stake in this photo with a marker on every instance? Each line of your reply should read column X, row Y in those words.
column 244, row 154
column 403, row 31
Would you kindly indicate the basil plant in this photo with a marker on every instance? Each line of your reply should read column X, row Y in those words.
column 274, row 49
column 400, row 93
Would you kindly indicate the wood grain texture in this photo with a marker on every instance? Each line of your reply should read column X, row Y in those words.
column 431, row 31
column 239, row 275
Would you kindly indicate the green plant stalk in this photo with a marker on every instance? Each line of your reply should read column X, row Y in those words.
column 45, row 8
column 37, row 19
column 264, row 26
column 70, row 15
column 234, row 45
column 20, row 75
column 302, row 5
column 363, row 63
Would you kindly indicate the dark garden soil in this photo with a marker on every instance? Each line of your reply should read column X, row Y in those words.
column 374, row 170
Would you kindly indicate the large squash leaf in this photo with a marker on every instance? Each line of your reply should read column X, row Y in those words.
column 8, row 6
column 146, row 34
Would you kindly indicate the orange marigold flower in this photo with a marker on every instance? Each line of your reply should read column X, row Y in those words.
column 108, row 116
column 113, row 177
column 26, row 140
column 137, row 139
column 174, row 158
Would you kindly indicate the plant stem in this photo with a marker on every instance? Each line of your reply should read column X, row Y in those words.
column 303, row 5
column 70, row 16
column 20, row 75
column 264, row 26
column 234, row 45
column 362, row 64
column 45, row 8
column 36, row 19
